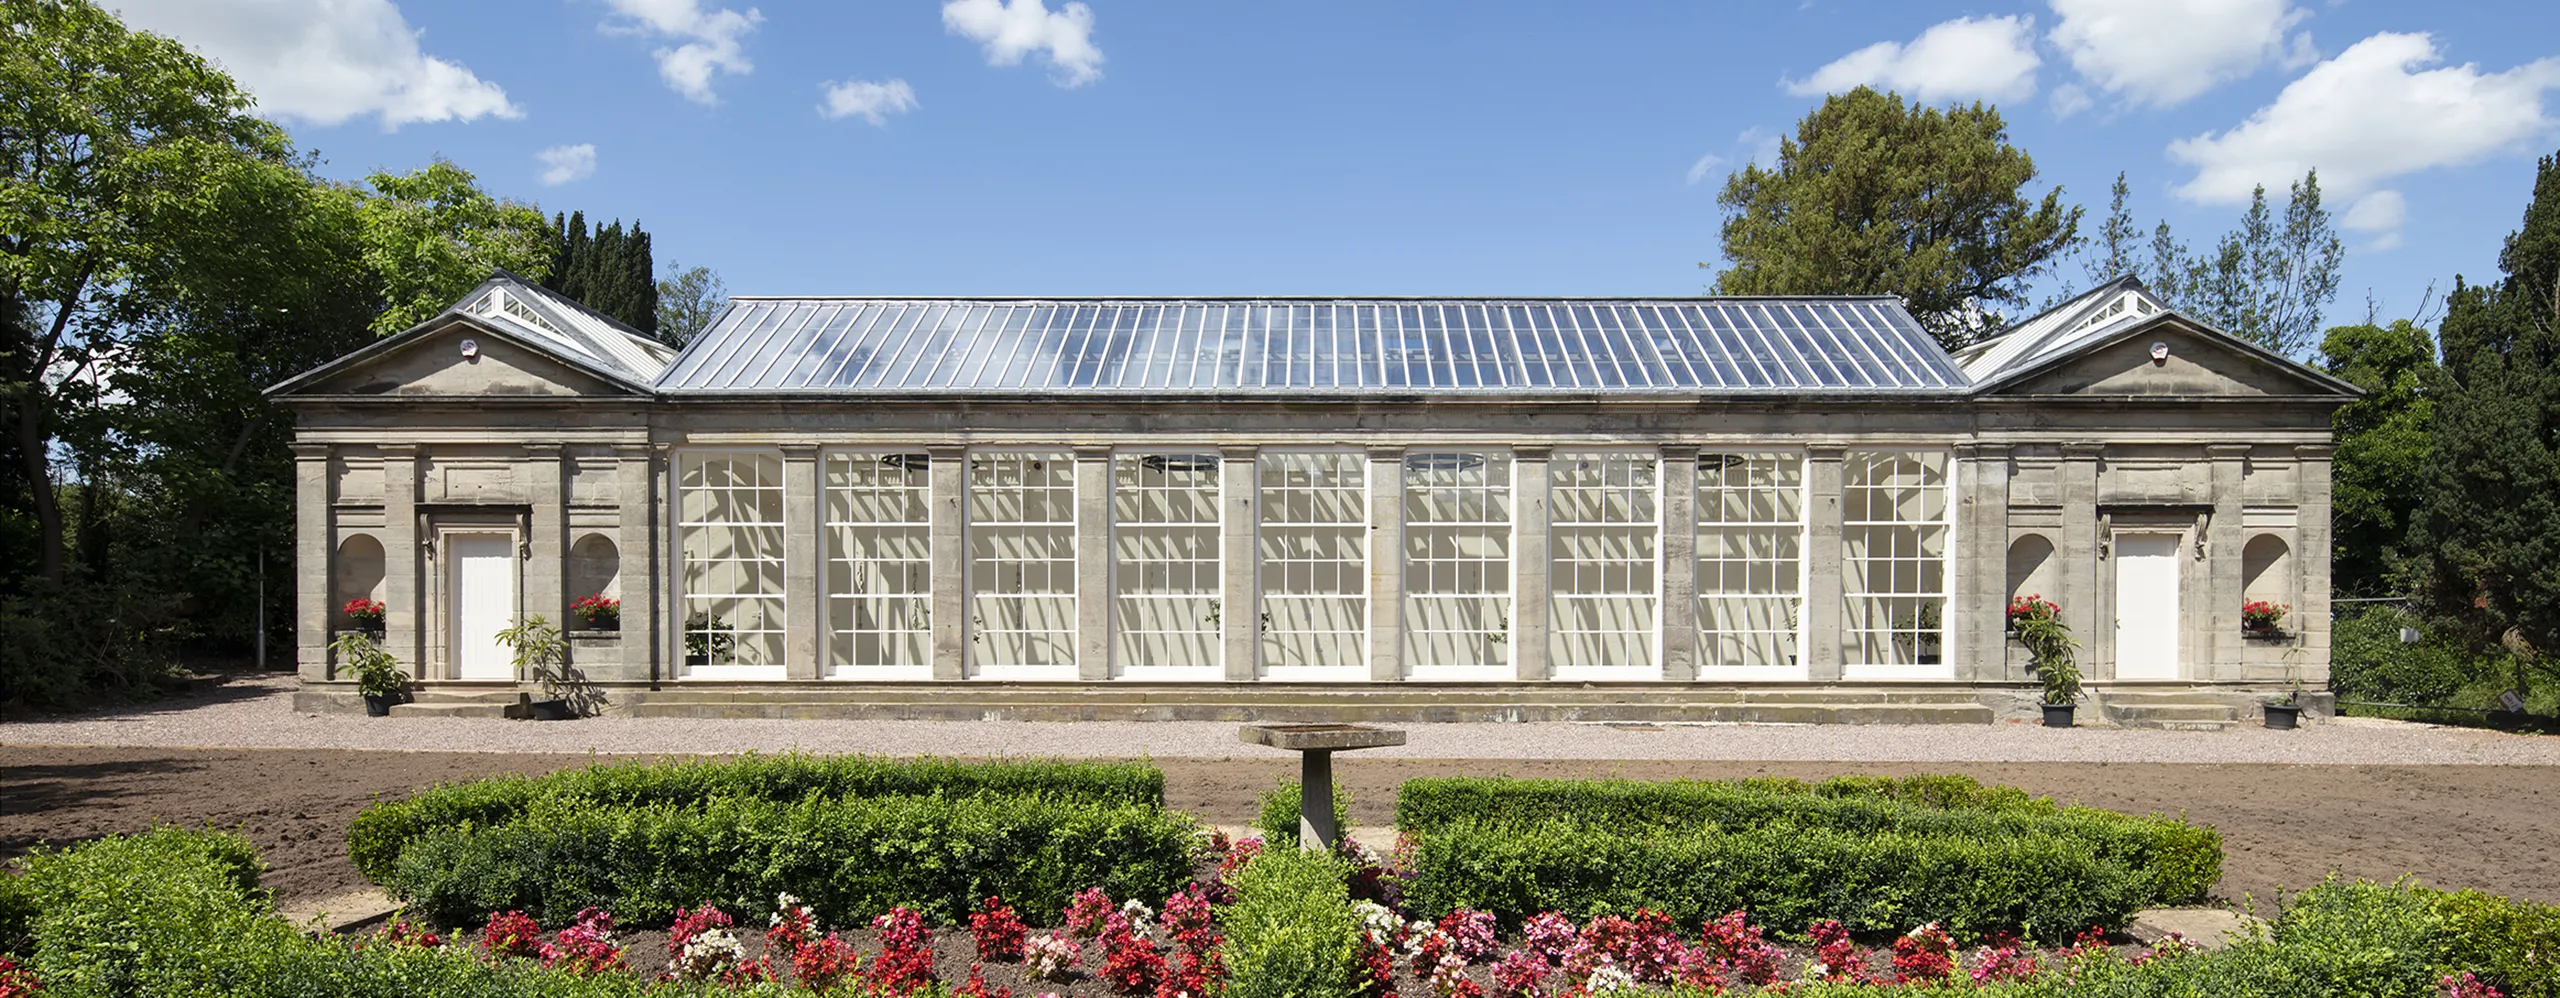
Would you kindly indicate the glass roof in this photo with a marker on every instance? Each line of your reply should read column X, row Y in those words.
column 1312, row 346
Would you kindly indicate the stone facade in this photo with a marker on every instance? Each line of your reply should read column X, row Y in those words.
column 2162, row 431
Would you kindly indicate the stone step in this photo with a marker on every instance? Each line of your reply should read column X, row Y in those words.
column 2174, row 716
column 450, row 709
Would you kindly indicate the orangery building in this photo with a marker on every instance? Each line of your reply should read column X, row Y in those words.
column 1363, row 507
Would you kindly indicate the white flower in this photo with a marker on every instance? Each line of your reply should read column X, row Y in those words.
column 1610, row 979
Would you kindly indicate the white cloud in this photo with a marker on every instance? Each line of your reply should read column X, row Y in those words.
column 1011, row 29
column 1763, row 145
column 2069, row 99
column 2369, row 116
column 709, row 41
column 562, row 164
column 872, row 102
column 2164, row 52
column 324, row 61
column 1989, row 57
column 2379, row 213
column 1706, row 164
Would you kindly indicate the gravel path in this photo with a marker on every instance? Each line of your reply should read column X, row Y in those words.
column 256, row 712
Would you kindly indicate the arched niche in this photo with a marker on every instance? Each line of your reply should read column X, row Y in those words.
column 2031, row 567
column 356, row 573
column 595, row 567
column 2266, row 569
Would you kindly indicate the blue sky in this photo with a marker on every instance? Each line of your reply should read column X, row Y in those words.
column 1146, row 147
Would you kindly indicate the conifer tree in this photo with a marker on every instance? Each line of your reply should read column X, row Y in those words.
column 606, row 268
column 2493, row 517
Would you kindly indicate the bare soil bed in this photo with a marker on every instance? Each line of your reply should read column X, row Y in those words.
column 2284, row 826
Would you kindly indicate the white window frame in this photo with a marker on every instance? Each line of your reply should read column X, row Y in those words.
column 1560, row 562
column 778, row 626
column 1358, row 669
column 1214, row 668
column 1707, row 669
column 1853, row 668
column 837, row 616
column 978, row 634
column 1415, row 668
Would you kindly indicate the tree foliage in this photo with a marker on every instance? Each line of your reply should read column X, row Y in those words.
column 2492, row 519
column 2384, row 445
column 605, row 268
column 2263, row 282
column 688, row 299
column 433, row 234
column 1876, row 196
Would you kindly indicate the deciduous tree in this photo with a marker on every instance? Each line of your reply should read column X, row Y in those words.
column 688, row 299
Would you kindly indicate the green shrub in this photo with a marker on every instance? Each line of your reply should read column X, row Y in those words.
column 2367, row 661
column 2182, row 860
column 382, row 830
column 848, row 859
column 1281, row 806
column 126, row 915
column 2513, row 944
column 2045, row 886
column 1291, row 932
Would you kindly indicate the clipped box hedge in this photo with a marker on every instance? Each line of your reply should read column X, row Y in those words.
column 1292, row 932
column 382, row 830
column 848, row 858
column 2180, row 861
column 2043, row 885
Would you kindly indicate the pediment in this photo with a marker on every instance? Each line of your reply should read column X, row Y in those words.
column 431, row 362
column 2197, row 364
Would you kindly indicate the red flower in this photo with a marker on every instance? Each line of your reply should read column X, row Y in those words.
column 998, row 932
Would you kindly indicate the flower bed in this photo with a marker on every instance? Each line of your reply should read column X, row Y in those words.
column 851, row 858
column 2180, row 861
column 176, row 913
column 383, row 830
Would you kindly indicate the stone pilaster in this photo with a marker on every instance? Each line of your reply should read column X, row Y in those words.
column 2314, row 529
column 1240, row 611
column 1531, row 593
column 1979, row 647
column 406, row 560
column 1823, row 554
column 1386, row 564
column 2225, row 582
column 1093, row 563
column 948, row 543
column 546, row 540
column 1678, row 615
column 644, row 626
column 315, row 551
column 803, row 602
column 2082, row 570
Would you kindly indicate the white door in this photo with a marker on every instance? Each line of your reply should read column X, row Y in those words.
column 2147, row 606
column 482, row 595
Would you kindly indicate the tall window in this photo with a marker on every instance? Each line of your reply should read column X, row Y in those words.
column 1894, row 527
column 879, row 569
column 1315, row 562
column 1457, row 565
column 1605, row 530
column 730, row 532
column 1165, row 579
column 1750, row 564
column 1022, row 563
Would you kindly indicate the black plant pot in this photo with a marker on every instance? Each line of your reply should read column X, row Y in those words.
column 2057, row 715
column 379, row 704
column 553, row 710
column 2283, row 716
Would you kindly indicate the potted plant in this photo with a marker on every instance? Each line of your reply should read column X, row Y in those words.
column 2259, row 618
column 366, row 614
column 599, row 612
column 2037, row 622
column 377, row 674
column 541, row 654
column 2286, row 714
